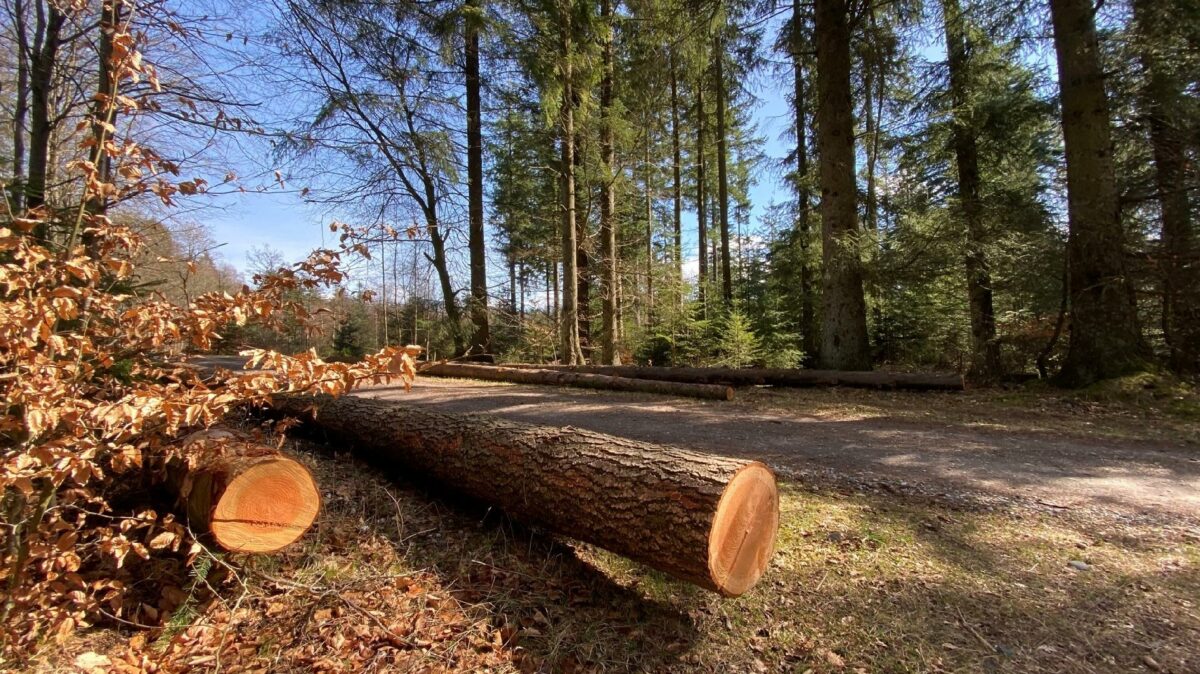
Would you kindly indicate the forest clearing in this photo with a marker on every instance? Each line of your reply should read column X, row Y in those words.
column 599, row 336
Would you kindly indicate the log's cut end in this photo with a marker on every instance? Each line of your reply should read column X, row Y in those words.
column 742, row 538
column 266, row 507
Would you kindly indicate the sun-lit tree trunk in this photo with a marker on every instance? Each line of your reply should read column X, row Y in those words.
column 844, row 319
column 481, row 340
column 649, row 194
column 46, row 41
column 985, row 349
column 572, row 352
column 677, row 183
column 722, row 165
column 608, row 202
column 1164, row 105
column 701, row 195
column 21, row 106
column 808, row 329
column 1105, row 340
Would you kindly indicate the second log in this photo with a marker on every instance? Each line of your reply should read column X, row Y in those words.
column 603, row 382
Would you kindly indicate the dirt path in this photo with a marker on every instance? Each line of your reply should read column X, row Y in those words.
column 1127, row 478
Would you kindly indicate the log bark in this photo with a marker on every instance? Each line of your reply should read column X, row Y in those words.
column 706, row 519
column 581, row 378
column 783, row 377
column 246, row 495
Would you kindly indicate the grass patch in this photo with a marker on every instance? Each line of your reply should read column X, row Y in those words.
column 396, row 579
column 1118, row 410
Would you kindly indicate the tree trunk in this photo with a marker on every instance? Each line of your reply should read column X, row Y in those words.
column 1164, row 106
column 844, row 331
column 781, row 377
column 701, row 194
column 985, row 349
column 677, row 183
column 481, row 340
column 706, row 519
column 246, row 495
column 41, row 82
column 578, row 377
column 583, row 257
column 442, row 267
column 1105, row 340
column 572, row 352
column 608, row 202
column 21, row 109
column 808, row 332
column 722, row 166
column 873, row 93
column 649, row 229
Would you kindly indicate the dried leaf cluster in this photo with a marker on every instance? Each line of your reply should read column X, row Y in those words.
column 94, row 397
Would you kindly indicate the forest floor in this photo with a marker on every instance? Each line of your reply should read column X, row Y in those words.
column 988, row 531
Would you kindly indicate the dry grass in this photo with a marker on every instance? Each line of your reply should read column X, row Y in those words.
column 1143, row 407
column 394, row 578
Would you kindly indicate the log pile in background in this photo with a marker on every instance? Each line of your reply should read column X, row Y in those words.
column 707, row 519
column 561, row 377
column 783, row 377
column 246, row 495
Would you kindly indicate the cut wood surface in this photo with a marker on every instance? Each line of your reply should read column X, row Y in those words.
column 247, row 495
column 564, row 377
column 784, row 377
column 707, row 519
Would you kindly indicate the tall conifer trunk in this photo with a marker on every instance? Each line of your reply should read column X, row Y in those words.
column 844, row 320
column 722, row 165
column 701, row 195
column 1105, row 338
column 677, row 183
column 608, row 232
column 572, row 353
column 1164, row 105
column 481, row 340
column 985, row 349
column 808, row 332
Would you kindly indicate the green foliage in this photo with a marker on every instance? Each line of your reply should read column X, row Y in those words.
column 348, row 340
column 736, row 344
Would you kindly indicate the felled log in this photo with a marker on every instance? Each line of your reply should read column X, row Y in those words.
column 246, row 495
column 783, row 377
column 560, row 377
column 707, row 519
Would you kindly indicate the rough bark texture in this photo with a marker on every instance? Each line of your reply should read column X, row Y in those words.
column 677, row 182
column 844, row 343
column 808, row 325
column 608, row 201
column 1165, row 106
column 651, row 503
column 722, row 166
column 1105, row 338
column 21, row 106
column 701, row 193
column 784, row 377
column 571, row 350
column 481, row 340
column 985, row 349
column 47, row 35
column 246, row 495
column 578, row 378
